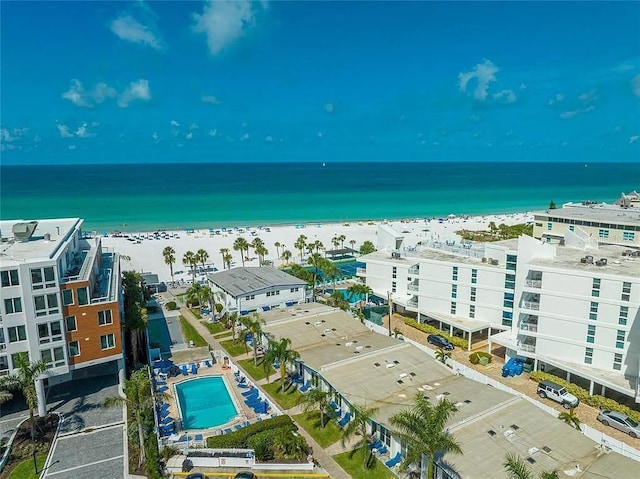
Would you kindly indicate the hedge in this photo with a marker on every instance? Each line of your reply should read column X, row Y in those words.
column 474, row 358
column 582, row 394
column 425, row 328
column 238, row 439
column 171, row 306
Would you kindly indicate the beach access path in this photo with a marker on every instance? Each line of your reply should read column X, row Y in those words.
column 323, row 457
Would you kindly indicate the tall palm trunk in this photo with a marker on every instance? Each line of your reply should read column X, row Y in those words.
column 32, row 424
column 255, row 349
column 140, row 438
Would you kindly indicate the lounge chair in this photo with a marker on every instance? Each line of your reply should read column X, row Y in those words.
column 237, row 373
column 166, row 421
column 394, row 461
column 194, row 368
column 383, row 449
column 163, row 406
column 305, row 388
column 243, row 385
column 161, row 383
column 162, row 389
column 345, row 419
column 334, row 406
column 250, row 392
column 228, row 430
column 207, row 363
column 237, row 427
column 376, row 444
column 184, row 370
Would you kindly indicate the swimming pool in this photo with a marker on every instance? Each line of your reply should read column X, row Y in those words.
column 348, row 295
column 205, row 403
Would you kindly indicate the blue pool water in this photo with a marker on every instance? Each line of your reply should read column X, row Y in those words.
column 205, row 403
column 348, row 295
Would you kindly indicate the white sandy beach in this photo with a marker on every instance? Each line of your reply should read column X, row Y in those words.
column 146, row 255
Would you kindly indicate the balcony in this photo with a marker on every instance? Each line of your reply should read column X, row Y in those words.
column 533, row 283
column 531, row 327
column 361, row 271
column 528, row 345
column 413, row 302
column 415, row 269
column 532, row 305
column 414, row 287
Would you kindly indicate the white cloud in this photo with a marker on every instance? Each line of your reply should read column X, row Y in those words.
column 137, row 90
column 82, row 131
column 484, row 73
column 505, row 96
column 189, row 135
column 633, row 139
column 194, row 126
column 127, row 28
column 6, row 137
column 635, row 85
column 244, row 137
column 320, row 134
column 522, row 86
column 72, row 147
column 269, row 139
column 213, row 132
column 210, row 99
column 223, row 22
column 174, row 123
column 567, row 115
column 102, row 92
column 155, row 136
column 329, row 108
column 623, row 67
column 588, row 96
column 64, row 131
column 77, row 95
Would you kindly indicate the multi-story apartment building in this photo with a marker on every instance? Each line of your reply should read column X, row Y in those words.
column 572, row 307
column 600, row 223
column 61, row 300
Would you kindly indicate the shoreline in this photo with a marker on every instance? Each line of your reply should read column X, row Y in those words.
column 142, row 250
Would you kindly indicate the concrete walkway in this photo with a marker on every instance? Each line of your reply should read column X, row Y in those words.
column 321, row 456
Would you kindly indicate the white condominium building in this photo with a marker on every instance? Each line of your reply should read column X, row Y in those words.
column 60, row 301
column 571, row 308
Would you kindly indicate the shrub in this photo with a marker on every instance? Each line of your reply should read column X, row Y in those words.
column 582, row 394
column 238, row 439
column 474, row 358
column 425, row 328
column 171, row 306
column 218, row 307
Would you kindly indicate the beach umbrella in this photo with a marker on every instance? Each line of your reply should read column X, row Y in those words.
column 162, row 364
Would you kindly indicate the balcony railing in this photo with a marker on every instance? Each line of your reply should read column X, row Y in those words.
column 533, row 305
column 533, row 327
column 361, row 271
column 530, row 348
column 412, row 302
column 534, row 283
column 414, row 270
column 413, row 287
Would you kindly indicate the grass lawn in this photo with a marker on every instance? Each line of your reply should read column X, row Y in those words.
column 291, row 397
column 196, row 312
column 190, row 333
column 225, row 334
column 214, row 328
column 256, row 372
column 354, row 466
column 234, row 349
column 310, row 421
column 25, row 469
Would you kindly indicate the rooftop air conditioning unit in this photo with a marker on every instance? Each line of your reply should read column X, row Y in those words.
column 601, row 262
column 494, row 262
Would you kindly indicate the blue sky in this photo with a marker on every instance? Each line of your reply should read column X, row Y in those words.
column 104, row 82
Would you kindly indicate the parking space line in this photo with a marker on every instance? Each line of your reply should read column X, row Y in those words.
column 84, row 465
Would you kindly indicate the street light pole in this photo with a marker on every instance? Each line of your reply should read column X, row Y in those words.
column 390, row 310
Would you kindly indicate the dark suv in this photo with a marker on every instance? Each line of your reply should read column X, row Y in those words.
column 440, row 341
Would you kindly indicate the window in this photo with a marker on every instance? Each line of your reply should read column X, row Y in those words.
column 473, row 294
column 104, row 317
column 591, row 333
column 453, row 307
column 13, row 305
column 602, row 233
column 19, row 358
column 83, row 296
column 46, row 304
column 617, row 361
column 510, row 281
column 294, row 290
column 595, row 288
column 474, row 276
column 593, row 311
column 107, row 341
column 620, row 339
column 53, row 357
column 571, row 228
column 508, row 300
column 253, row 296
column 74, row 349
column 70, row 323
column 549, row 226
column 511, row 262
column 454, row 276
column 277, row 292
column 67, row 297
column 626, row 291
column 624, row 313
column 17, row 333
column 394, row 274
column 43, row 278
column 507, row 318
column 10, row 278
column 393, row 286
column 588, row 355
column 4, row 363
column 472, row 310
column 628, row 235
column 48, row 332
column 454, row 291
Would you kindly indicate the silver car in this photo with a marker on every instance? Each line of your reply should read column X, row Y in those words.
column 620, row 421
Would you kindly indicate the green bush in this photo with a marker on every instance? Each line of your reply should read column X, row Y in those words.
column 261, row 444
column 582, row 394
column 425, row 328
column 238, row 439
column 219, row 307
column 171, row 306
column 474, row 358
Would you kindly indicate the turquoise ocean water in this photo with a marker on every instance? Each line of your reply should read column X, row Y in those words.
column 134, row 197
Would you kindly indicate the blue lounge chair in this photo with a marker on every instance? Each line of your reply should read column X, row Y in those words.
column 166, row 421
column 382, row 450
column 376, row 444
column 250, row 392
column 394, row 461
column 184, row 370
column 162, row 389
column 161, row 383
column 207, row 363
column 334, row 406
column 243, row 385
column 237, row 373
column 345, row 419
column 305, row 388
column 163, row 413
column 194, row 368
column 163, row 406
column 228, row 430
column 237, row 427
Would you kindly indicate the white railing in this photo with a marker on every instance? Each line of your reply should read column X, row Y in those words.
column 413, row 287
column 530, row 348
column 534, row 283
column 533, row 305
column 414, row 270
column 533, row 327
column 361, row 271
column 413, row 303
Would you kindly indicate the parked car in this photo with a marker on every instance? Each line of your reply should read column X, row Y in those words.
column 440, row 341
column 245, row 475
column 620, row 421
column 551, row 390
column 196, row 475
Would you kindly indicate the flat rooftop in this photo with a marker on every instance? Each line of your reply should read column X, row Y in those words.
column 602, row 213
column 569, row 258
column 36, row 248
column 244, row 280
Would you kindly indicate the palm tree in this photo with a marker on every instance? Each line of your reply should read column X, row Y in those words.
column 281, row 352
column 316, row 398
column 423, row 430
column 518, row 469
column 226, row 257
column 24, row 380
column 570, row 418
column 335, row 241
column 357, row 427
column 203, row 257
column 286, row 255
column 442, row 355
column 191, row 260
column 362, row 291
column 352, row 243
column 138, row 397
column 341, row 238
column 240, row 244
column 277, row 244
column 317, row 245
column 193, row 295
column 169, row 255
column 261, row 251
column 331, row 272
column 316, row 260
column 253, row 324
column 256, row 244
column 135, row 313
column 300, row 243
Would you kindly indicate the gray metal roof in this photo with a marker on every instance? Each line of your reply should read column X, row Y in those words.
column 242, row 281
